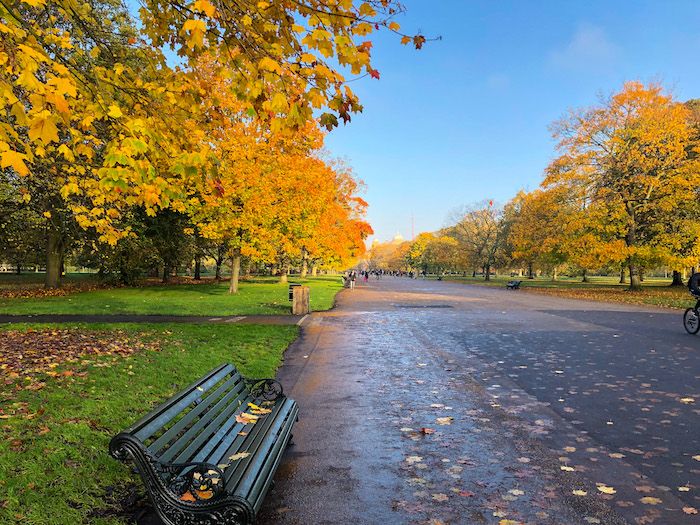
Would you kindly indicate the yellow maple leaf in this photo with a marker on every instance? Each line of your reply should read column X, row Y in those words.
column 15, row 160
column 115, row 112
column 35, row 3
column 43, row 127
column 196, row 30
column 648, row 500
column 267, row 64
column 394, row 26
column 204, row 6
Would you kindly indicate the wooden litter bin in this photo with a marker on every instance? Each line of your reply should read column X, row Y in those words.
column 300, row 300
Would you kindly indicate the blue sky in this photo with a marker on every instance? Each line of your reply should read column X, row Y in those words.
column 466, row 118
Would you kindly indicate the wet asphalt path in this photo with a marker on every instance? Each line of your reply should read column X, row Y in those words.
column 437, row 402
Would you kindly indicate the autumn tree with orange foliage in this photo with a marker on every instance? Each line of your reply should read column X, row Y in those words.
column 635, row 157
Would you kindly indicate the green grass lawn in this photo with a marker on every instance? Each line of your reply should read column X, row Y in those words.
column 264, row 295
column 54, row 455
column 656, row 292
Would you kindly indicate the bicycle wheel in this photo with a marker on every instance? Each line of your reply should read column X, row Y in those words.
column 691, row 321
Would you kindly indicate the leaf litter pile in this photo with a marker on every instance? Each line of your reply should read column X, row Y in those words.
column 28, row 358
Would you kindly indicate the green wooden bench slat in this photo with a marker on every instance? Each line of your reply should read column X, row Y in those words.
column 234, row 442
column 162, row 415
column 237, row 471
column 257, row 494
column 256, row 470
column 186, row 447
column 235, row 382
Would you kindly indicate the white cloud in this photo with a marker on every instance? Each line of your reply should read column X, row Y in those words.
column 588, row 50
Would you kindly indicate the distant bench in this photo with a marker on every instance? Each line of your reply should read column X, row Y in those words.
column 208, row 454
column 513, row 285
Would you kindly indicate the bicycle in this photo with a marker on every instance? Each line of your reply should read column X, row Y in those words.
column 691, row 317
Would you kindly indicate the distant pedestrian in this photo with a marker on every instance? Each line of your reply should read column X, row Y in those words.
column 366, row 276
column 353, row 276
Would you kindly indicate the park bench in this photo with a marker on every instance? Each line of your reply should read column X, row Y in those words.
column 513, row 285
column 209, row 453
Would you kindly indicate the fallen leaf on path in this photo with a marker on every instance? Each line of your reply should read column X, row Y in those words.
column 238, row 456
column 579, row 492
column 426, row 430
column 648, row 500
column 440, row 497
column 690, row 510
column 605, row 489
column 445, row 420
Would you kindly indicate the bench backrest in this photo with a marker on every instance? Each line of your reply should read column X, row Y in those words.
column 198, row 423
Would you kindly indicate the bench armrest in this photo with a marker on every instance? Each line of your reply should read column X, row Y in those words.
column 204, row 482
column 265, row 389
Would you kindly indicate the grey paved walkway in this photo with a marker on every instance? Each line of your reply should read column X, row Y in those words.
column 133, row 318
column 548, row 396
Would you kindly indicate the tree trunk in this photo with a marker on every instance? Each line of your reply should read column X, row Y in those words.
column 19, row 269
column 167, row 272
column 304, row 263
column 585, row 275
column 635, row 282
column 530, row 274
column 677, row 279
column 235, row 271
column 54, row 259
column 284, row 273
column 314, row 271
column 554, row 273
column 487, row 272
column 198, row 268
column 623, row 277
